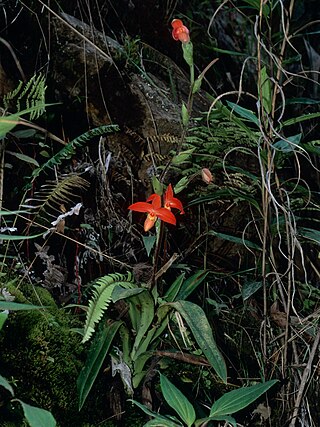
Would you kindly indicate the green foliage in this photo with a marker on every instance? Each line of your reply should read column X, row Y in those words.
column 97, row 353
column 102, row 296
column 221, row 410
column 70, row 148
column 40, row 353
column 48, row 200
column 28, row 97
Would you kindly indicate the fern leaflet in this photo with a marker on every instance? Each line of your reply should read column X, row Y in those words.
column 69, row 149
column 102, row 296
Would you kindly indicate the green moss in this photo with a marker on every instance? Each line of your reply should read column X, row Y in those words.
column 41, row 354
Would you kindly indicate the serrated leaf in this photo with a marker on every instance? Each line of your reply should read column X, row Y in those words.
column 102, row 296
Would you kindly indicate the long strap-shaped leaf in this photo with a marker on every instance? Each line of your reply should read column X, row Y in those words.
column 97, row 353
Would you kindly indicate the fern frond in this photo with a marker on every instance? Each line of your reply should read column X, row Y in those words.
column 52, row 195
column 69, row 149
column 28, row 97
column 102, row 293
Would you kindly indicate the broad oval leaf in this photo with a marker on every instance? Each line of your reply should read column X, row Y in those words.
column 37, row 417
column 238, row 399
column 177, row 401
column 202, row 332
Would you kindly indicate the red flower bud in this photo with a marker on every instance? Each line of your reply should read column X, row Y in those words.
column 180, row 31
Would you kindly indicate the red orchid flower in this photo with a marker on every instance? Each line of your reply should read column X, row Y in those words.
column 172, row 202
column 180, row 31
column 154, row 211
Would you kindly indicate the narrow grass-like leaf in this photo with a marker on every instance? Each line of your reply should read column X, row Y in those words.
column 7, row 237
column 16, row 306
column 177, row 401
column 300, row 119
column 311, row 234
column 172, row 292
column 235, row 239
column 202, row 332
column 191, row 284
column 238, row 399
column 37, row 417
column 97, row 353
column 166, row 422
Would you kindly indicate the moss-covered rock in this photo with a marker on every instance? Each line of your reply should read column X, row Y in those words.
column 41, row 354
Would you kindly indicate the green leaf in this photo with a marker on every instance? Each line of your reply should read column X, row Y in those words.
column 16, row 306
column 172, row 292
column 7, row 123
column 37, row 417
column 244, row 113
column 227, row 418
column 4, row 383
column 196, row 85
column 24, row 158
column 250, row 288
column 141, row 312
column 159, row 422
column 166, row 422
column 177, row 401
column 301, row 119
column 191, row 285
column 311, row 234
column 202, row 332
column 149, row 242
column 181, row 185
column 4, row 213
column 10, row 237
column 3, row 318
column 156, row 185
column 119, row 293
column 236, row 400
column 98, row 350
column 266, row 95
column 289, row 144
column 26, row 133
column 182, row 157
column 102, row 296
column 235, row 239
column 184, row 115
column 188, row 53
